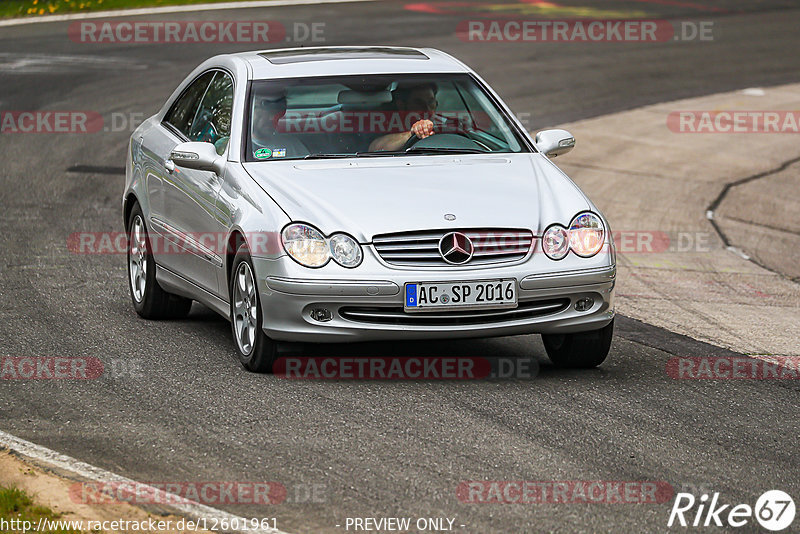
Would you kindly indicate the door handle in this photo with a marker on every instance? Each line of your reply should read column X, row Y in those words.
column 170, row 166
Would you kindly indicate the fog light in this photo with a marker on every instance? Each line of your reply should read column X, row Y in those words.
column 584, row 304
column 321, row 314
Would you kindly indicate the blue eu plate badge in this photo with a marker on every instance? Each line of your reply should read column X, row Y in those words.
column 411, row 295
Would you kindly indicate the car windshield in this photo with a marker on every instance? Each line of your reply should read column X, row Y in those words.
column 375, row 115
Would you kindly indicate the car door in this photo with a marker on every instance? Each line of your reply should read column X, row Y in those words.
column 158, row 141
column 189, row 219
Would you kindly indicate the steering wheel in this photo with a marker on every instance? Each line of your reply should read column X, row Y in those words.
column 458, row 130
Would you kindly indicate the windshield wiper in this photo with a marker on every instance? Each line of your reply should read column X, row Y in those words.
column 444, row 150
column 375, row 154
column 384, row 153
column 379, row 153
column 413, row 150
column 321, row 155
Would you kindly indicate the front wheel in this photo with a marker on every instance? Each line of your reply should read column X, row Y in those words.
column 256, row 351
column 581, row 350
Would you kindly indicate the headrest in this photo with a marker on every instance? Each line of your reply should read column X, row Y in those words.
column 364, row 98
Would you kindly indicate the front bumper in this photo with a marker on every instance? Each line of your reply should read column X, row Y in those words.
column 370, row 307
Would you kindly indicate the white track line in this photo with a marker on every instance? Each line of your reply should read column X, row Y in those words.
column 191, row 510
column 169, row 9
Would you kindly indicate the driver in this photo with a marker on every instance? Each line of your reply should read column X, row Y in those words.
column 268, row 139
column 420, row 98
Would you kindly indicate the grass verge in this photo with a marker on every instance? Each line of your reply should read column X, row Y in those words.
column 17, row 507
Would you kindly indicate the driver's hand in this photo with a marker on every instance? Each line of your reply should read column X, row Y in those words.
column 423, row 128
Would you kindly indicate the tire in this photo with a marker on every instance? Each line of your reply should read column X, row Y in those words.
column 255, row 350
column 581, row 350
column 149, row 300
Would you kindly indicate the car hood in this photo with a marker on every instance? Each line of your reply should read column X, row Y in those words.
column 371, row 196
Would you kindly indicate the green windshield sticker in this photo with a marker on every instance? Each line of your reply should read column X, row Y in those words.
column 263, row 153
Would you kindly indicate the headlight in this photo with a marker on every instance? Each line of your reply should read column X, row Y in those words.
column 586, row 234
column 345, row 250
column 306, row 245
column 555, row 242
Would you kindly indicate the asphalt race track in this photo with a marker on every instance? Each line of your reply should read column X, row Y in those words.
column 175, row 405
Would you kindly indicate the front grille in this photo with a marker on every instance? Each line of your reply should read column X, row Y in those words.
column 422, row 248
column 397, row 316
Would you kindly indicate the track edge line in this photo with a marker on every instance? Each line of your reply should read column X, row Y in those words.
column 190, row 510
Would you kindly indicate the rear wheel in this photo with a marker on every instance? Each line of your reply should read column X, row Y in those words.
column 149, row 300
column 256, row 351
column 581, row 350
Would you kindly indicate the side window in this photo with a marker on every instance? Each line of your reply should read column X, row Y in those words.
column 213, row 121
column 181, row 114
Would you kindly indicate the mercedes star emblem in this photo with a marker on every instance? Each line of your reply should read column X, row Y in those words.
column 456, row 248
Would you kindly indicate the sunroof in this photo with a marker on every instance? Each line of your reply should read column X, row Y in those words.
column 302, row 55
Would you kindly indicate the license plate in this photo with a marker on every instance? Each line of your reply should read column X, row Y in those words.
column 423, row 296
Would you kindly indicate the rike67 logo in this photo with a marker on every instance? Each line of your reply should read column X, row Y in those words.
column 774, row 510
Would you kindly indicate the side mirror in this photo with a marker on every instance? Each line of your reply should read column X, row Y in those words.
column 198, row 156
column 554, row 143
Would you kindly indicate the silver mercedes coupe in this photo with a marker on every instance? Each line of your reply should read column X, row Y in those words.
column 347, row 194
